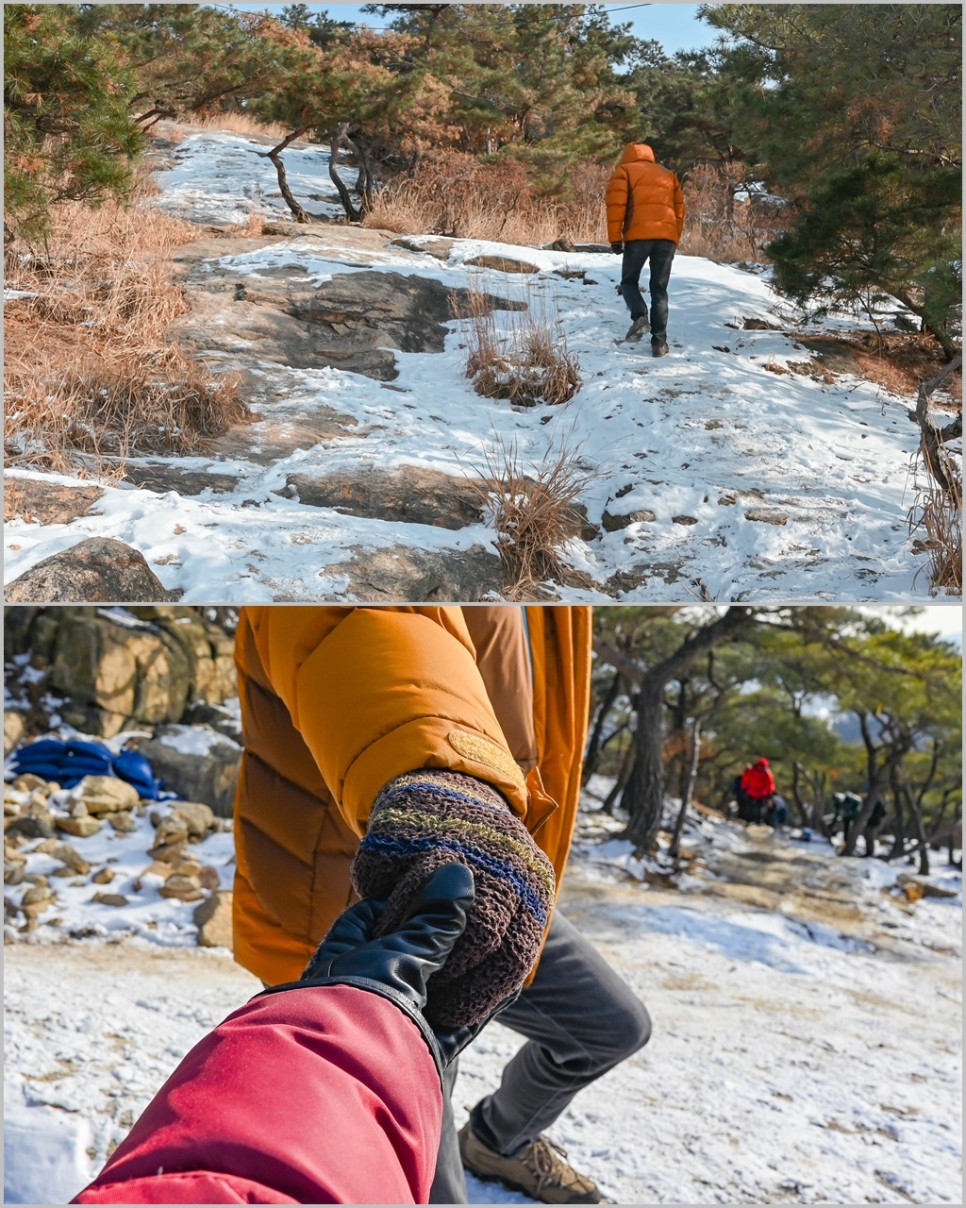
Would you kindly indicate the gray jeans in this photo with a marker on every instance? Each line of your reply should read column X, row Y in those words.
column 580, row 1020
column 660, row 252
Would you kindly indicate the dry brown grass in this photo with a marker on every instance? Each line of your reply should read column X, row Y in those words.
column 107, row 410
column 239, row 123
column 535, row 513
column 528, row 363
column 899, row 361
column 251, row 228
column 720, row 228
column 938, row 511
column 89, row 376
column 938, row 518
column 457, row 196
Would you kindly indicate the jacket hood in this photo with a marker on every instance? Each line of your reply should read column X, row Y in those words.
column 762, row 763
column 635, row 152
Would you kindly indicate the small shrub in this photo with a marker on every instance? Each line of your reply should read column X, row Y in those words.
column 723, row 227
column 535, row 514
column 529, row 364
column 938, row 516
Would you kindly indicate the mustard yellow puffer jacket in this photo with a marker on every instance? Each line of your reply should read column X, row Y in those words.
column 336, row 702
column 644, row 200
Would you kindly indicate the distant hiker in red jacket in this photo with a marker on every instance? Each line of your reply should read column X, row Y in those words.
column 758, row 784
column 323, row 1091
column 645, row 218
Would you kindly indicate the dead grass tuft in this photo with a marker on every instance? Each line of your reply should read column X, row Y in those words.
column 89, row 377
column 938, row 511
column 535, row 514
column 938, row 516
column 528, row 364
column 110, row 410
column 251, row 228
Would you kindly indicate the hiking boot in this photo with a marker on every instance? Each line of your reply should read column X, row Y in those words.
column 640, row 327
column 539, row 1170
column 659, row 348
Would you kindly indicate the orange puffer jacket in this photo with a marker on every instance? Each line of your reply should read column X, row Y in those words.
column 336, row 702
column 644, row 200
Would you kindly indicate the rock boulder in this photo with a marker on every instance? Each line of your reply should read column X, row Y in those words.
column 97, row 570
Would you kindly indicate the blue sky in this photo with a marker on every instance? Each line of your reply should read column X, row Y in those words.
column 675, row 26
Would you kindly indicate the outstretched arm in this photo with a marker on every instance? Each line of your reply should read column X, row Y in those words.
column 324, row 1091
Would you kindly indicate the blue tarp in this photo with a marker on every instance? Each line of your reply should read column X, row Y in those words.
column 69, row 762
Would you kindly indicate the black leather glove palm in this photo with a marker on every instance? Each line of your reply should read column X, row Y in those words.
column 398, row 965
column 617, row 248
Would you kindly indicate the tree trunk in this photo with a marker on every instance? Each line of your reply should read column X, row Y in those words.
column 275, row 155
column 932, row 440
column 915, row 813
column 692, row 772
column 621, row 781
column 341, row 140
column 643, row 797
column 876, row 774
column 899, row 834
column 680, row 729
column 594, row 744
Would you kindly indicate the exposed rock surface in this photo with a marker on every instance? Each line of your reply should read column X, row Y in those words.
column 207, row 777
column 401, row 573
column 503, row 264
column 409, row 494
column 437, row 246
column 48, row 502
column 613, row 523
column 352, row 321
column 118, row 671
column 213, row 920
column 96, row 570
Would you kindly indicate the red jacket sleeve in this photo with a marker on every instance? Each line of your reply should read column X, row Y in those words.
column 326, row 1095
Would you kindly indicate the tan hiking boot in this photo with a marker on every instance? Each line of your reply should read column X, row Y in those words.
column 538, row 1169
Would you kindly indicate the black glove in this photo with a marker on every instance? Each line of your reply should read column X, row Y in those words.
column 617, row 249
column 398, row 965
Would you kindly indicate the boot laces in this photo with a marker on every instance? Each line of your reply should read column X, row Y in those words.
column 547, row 1161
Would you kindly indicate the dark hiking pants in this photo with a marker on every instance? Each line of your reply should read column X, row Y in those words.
column 580, row 1020
column 660, row 252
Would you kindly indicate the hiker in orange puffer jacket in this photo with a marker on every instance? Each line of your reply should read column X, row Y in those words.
column 645, row 218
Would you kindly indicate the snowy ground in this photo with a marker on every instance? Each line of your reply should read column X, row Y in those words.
column 805, row 1053
column 753, row 480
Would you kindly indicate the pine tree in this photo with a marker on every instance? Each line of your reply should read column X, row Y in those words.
column 853, row 112
column 68, row 130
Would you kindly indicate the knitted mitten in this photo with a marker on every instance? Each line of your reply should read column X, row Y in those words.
column 426, row 819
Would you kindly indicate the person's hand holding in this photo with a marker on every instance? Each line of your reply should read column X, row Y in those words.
column 399, row 964
column 617, row 249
